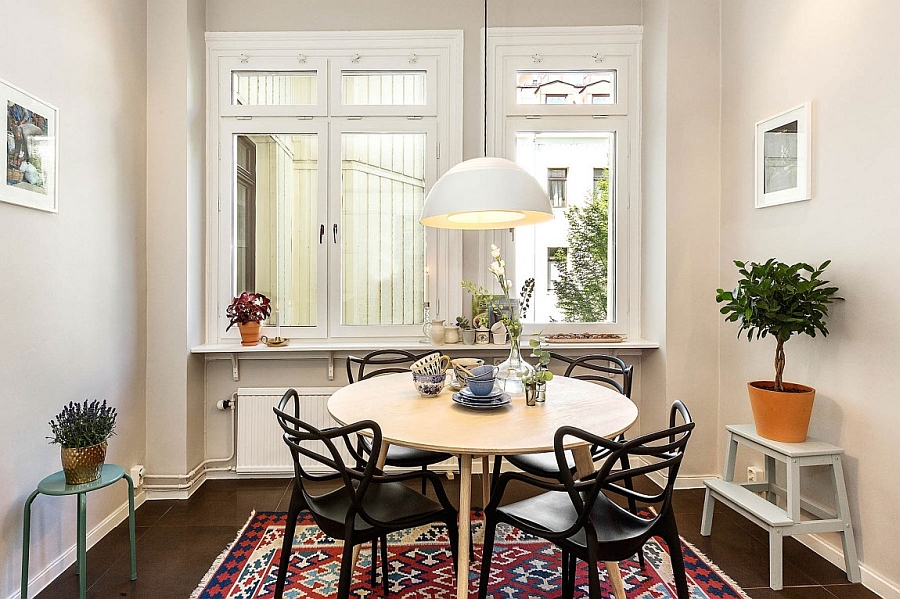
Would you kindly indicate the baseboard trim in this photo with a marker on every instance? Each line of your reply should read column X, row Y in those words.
column 873, row 581
column 43, row 578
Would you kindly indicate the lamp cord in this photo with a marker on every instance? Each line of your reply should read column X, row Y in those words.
column 485, row 74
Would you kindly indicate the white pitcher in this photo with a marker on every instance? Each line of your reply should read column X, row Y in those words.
column 437, row 332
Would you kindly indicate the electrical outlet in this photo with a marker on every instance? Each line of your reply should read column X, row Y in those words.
column 754, row 474
column 137, row 475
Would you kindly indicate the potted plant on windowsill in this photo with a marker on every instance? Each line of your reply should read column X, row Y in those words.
column 247, row 311
column 778, row 299
column 81, row 430
column 465, row 330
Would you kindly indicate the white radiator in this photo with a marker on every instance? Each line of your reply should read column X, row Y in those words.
column 260, row 448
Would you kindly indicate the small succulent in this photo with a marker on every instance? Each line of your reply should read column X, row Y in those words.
column 83, row 424
column 248, row 307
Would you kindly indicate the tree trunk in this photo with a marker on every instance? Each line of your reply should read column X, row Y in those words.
column 779, row 365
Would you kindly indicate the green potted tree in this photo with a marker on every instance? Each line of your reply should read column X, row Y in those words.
column 780, row 300
column 247, row 310
column 81, row 430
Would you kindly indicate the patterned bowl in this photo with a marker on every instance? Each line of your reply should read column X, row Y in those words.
column 429, row 385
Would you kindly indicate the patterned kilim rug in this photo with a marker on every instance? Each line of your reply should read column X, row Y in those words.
column 524, row 567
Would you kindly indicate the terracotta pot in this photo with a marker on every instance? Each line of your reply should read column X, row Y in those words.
column 83, row 464
column 249, row 333
column 781, row 416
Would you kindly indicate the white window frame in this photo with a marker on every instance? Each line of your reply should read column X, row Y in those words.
column 572, row 49
column 438, row 52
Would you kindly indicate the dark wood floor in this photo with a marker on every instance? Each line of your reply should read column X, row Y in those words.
column 177, row 541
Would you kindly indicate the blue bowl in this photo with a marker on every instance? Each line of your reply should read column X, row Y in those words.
column 481, row 387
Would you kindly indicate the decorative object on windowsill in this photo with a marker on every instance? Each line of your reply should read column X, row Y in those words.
column 536, row 381
column 585, row 338
column 514, row 367
column 247, row 311
column 498, row 333
column 437, row 331
column 81, row 430
column 482, row 336
column 465, row 330
column 777, row 299
column 451, row 333
column 426, row 324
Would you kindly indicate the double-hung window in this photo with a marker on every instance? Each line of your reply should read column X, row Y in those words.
column 322, row 148
column 565, row 106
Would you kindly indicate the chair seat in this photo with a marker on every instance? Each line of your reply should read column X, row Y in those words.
column 553, row 512
column 387, row 502
column 409, row 457
column 540, row 464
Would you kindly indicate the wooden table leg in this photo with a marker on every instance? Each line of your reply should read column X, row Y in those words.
column 485, row 480
column 465, row 506
column 584, row 465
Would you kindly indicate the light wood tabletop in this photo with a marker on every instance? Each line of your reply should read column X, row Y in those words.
column 440, row 424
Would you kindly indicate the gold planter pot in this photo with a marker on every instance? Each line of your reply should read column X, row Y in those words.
column 83, row 464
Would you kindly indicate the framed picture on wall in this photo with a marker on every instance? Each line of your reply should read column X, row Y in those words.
column 783, row 152
column 31, row 149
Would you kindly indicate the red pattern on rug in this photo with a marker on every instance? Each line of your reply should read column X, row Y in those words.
column 523, row 567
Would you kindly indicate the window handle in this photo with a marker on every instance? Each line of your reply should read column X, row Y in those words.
column 321, row 233
column 334, row 232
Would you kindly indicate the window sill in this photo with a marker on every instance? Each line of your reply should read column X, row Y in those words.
column 327, row 348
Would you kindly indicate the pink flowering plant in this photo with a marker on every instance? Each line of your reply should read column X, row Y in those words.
column 83, row 424
column 248, row 307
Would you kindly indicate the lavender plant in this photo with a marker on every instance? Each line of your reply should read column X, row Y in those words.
column 83, row 424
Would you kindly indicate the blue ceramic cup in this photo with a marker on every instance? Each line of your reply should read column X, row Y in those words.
column 481, row 387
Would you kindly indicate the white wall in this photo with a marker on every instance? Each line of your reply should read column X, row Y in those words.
column 842, row 57
column 680, row 219
column 73, row 283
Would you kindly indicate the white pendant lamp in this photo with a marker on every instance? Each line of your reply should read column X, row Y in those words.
column 486, row 193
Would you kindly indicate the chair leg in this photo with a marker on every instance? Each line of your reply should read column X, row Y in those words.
column 495, row 472
column 384, row 565
column 674, row 542
column 374, row 564
column 453, row 533
column 487, row 551
column 625, row 463
column 286, row 545
column 346, row 569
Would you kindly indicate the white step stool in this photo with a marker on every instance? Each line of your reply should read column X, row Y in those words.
column 742, row 497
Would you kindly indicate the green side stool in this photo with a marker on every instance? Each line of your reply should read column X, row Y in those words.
column 55, row 484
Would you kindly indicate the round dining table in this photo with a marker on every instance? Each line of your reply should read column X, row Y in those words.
column 441, row 424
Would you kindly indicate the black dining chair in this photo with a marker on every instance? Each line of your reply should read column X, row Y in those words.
column 581, row 516
column 366, row 505
column 603, row 369
column 387, row 361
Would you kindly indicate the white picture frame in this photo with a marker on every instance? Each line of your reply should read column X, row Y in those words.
column 32, row 147
column 783, row 158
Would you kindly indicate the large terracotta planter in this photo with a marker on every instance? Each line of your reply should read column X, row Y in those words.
column 249, row 333
column 83, row 464
column 781, row 416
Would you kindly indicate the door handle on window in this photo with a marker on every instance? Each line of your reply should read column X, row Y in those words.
column 334, row 232
column 321, row 233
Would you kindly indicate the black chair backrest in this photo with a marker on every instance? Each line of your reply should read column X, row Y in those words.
column 599, row 368
column 660, row 451
column 321, row 446
column 382, row 361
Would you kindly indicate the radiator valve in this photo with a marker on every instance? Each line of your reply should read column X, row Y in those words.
column 225, row 404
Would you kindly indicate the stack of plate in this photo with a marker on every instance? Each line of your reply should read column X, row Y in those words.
column 494, row 399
